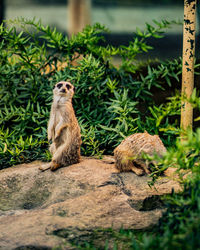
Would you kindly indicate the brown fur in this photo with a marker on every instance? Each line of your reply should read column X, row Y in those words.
column 128, row 153
column 63, row 128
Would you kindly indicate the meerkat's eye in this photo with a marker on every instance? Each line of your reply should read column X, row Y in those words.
column 59, row 85
column 68, row 86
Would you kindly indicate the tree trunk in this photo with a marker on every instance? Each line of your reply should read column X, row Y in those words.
column 188, row 62
column 79, row 15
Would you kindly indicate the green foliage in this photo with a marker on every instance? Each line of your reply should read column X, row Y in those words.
column 140, row 43
column 179, row 228
column 110, row 104
column 107, row 99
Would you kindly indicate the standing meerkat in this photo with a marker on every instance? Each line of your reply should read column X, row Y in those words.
column 63, row 128
column 128, row 155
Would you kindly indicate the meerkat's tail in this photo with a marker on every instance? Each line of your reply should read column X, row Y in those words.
column 45, row 167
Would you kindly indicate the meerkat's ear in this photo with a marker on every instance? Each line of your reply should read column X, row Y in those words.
column 74, row 89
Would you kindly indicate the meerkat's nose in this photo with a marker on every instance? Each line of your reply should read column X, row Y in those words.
column 63, row 90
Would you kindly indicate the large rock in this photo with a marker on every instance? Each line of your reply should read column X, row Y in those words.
column 41, row 210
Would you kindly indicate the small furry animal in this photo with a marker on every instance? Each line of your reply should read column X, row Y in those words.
column 63, row 128
column 128, row 154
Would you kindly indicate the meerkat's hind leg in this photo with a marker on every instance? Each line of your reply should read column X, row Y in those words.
column 51, row 165
column 52, row 148
column 65, row 156
column 128, row 164
column 143, row 166
column 146, row 170
column 54, row 166
column 137, row 171
column 57, row 159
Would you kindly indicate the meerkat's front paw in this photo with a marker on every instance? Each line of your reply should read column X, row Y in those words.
column 57, row 134
column 54, row 166
column 59, row 129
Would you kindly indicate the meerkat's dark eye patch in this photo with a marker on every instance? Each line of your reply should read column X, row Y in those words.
column 59, row 85
column 68, row 86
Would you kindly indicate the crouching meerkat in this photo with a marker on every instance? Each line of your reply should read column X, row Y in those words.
column 128, row 154
column 63, row 128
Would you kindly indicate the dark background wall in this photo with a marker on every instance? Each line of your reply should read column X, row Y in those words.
column 120, row 16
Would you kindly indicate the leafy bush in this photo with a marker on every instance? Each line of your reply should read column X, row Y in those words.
column 179, row 228
column 107, row 100
column 110, row 103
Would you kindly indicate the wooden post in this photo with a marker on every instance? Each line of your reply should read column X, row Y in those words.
column 79, row 15
column 188, row 62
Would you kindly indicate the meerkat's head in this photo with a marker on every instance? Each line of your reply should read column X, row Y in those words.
column 64, row 89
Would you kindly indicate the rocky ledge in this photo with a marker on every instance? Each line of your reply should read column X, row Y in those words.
column 43, row 210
